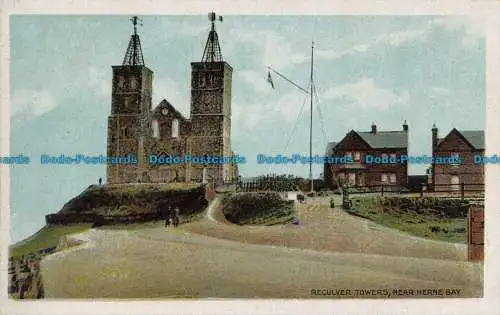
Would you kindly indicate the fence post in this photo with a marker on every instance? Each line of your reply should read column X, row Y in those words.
column 462, row 190
column 382, row 190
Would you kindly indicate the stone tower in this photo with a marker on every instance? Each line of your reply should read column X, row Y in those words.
column 129, row 122
column 211, row 81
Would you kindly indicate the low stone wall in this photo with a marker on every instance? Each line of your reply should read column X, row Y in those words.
column 475, row 231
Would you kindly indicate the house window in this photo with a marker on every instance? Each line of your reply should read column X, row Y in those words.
column 156, row 129
column 175, row 128
column 384, row 156
column 383, row 178
column 393, row 178
column 351, row 179
column 348, row 155
column 164, row 174
column 204, row 178
column 357, row 156
column 393, row 156
column 455, row 183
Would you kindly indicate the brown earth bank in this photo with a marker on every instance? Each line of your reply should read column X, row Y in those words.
column 211, row 257
column 128, row 203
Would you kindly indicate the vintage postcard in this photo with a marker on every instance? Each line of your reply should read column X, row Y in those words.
column 188, row 156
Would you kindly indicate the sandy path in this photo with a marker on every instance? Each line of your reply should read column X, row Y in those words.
column 344, row 252
column 323, row 228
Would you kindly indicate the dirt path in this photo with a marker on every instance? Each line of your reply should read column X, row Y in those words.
column 326, row 229
column 330, row 250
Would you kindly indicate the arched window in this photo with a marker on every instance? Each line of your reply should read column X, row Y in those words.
column 156, row 128
column 121, row 81
column 175, row 128
column 133, row 83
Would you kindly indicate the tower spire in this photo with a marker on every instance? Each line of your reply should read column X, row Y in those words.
column 212, row 52
column 133, row 56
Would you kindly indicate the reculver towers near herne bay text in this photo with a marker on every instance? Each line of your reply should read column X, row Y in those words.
column 135, row 128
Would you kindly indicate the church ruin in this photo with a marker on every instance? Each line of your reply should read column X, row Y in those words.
column 135, row 128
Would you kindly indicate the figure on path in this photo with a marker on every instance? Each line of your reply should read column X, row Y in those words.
column 100, row 180
column 168, row 220
column 176, row 217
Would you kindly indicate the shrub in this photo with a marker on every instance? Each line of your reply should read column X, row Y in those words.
column 435, row 228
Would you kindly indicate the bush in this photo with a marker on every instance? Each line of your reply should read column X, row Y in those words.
column 443, row 207
column 435, row 228
column 460, row 230
column 241, row 207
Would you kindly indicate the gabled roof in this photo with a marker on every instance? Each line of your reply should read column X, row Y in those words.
column 165, row 104
column 474, row 137
column 385, row 139
column 329, row 147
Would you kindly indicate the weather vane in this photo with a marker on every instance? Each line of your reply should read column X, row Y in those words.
column 212, row 17
column 134, row 20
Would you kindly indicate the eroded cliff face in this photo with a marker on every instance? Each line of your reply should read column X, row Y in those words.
column 27, row 286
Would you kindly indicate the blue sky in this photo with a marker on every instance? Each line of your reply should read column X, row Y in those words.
column 381, row 69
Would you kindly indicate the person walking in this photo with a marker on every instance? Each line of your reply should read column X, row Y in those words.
column 176, row 217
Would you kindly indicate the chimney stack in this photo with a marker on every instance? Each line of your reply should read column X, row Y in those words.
column 434, row 138
column 405, row 127
column 374, row 128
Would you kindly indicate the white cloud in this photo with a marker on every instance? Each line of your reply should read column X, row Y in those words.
column 391, row 39
column 283, row 109
column 32, row 102
column 401, row 37
column 276, row 49
column 364, row 93
column 472, row 26
column 258, row 80
column 167, row 88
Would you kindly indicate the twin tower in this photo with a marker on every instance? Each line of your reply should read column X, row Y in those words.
column 138, row 133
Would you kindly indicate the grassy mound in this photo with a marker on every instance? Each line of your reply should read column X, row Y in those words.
column 131, row 203
column 47, row 237
column 257, row 208
column 427, row 219
column 135, row 198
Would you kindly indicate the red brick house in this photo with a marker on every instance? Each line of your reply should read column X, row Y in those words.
column 358, row 145
column 466, row 144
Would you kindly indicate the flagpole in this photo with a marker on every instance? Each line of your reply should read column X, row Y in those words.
column 290, row 81
column 311, row 121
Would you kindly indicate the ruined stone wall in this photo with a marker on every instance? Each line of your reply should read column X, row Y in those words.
column 475, row 231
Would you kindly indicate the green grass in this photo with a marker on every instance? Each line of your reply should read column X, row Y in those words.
column 423, row 225
column 273, row 216
column 48, row 236
column 151, row 224
column 133, row 188
column 257, row 208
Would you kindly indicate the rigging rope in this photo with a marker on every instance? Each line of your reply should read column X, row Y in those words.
column 321, row 121
column 293, row 131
